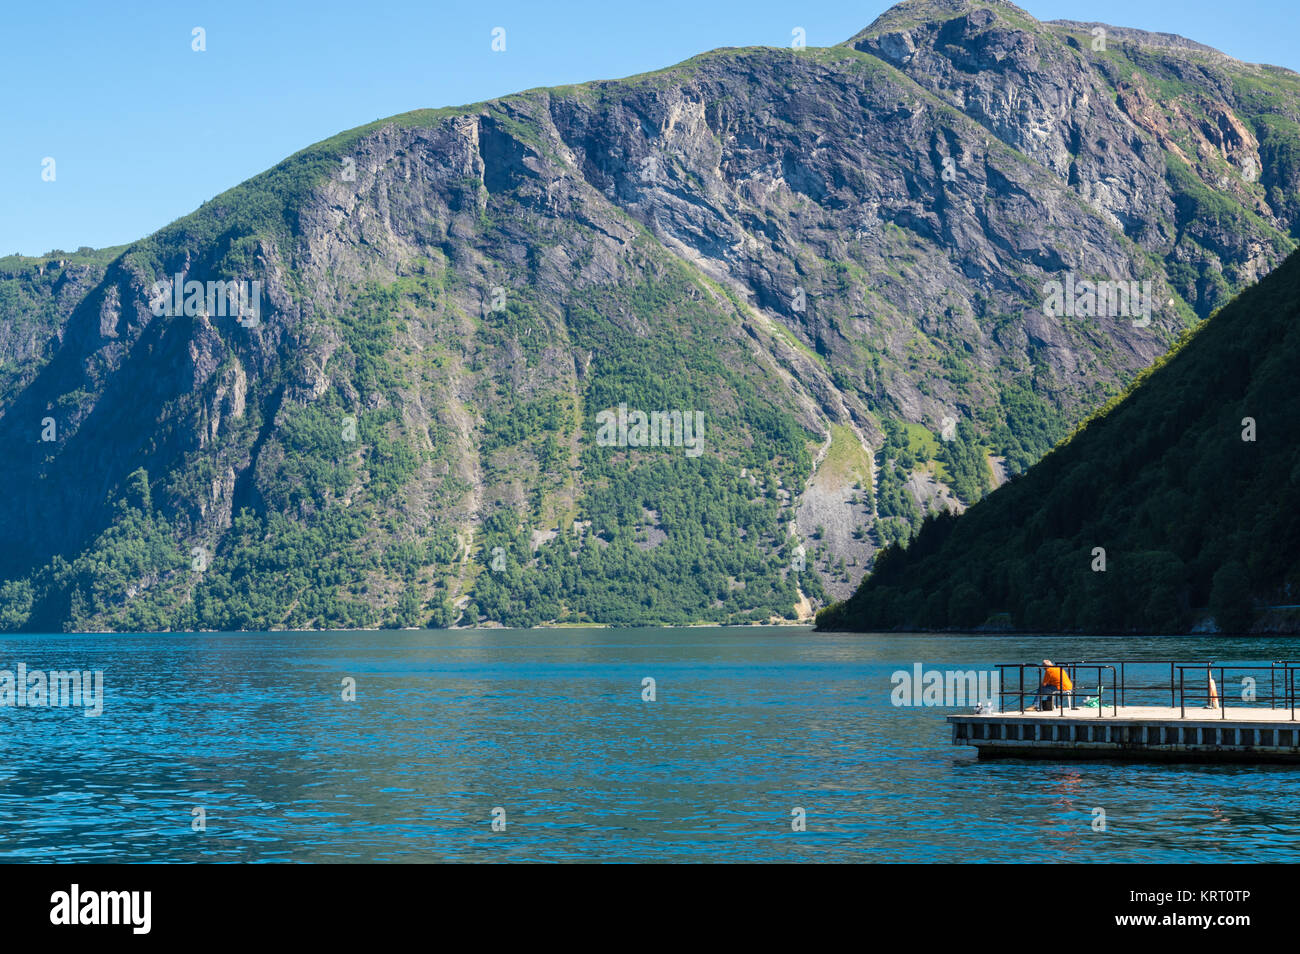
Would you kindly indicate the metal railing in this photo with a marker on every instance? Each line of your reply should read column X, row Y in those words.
column 1070, row 671
column 1130, row 683
column 1283, row 697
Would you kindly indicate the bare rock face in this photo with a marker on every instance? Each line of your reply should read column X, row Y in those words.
column 791, row 243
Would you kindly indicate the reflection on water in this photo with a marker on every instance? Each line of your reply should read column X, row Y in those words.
column 550, row 725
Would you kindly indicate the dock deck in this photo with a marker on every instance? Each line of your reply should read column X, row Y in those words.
column 1199, row 714
column 1136, row 732
column 1264, row 729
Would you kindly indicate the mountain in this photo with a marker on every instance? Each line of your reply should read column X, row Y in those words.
column 1175, row 507
column 856, row 284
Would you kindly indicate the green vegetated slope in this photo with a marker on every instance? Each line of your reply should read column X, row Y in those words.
column 332, row 530
column 1174, row 506
column 836, row 255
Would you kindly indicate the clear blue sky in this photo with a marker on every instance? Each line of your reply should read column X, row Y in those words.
column 143, row 129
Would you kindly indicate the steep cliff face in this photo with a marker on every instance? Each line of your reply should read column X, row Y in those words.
column 836, row 261
column 1172, row 509
column 1188, row 152
column 36, row 298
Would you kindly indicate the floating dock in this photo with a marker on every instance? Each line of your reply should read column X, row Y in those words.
column 1133, row 732
column 1196, row 727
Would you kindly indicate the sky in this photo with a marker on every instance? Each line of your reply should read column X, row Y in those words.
column 142, row 128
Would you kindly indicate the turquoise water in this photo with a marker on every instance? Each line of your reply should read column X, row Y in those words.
column 551, row 727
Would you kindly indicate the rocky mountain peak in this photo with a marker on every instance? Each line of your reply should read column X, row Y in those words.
column 902, row 18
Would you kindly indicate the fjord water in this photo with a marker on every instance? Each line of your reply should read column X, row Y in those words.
column 550, row 725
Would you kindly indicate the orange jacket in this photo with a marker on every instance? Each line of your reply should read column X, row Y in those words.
column 1056, row 677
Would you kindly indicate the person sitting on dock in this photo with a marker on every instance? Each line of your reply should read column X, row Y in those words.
column 1056, row 682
